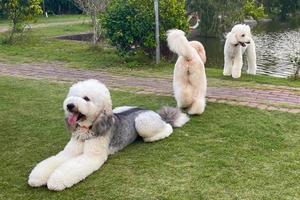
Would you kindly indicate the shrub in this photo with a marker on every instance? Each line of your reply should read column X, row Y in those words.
column 130, row 24
column 252, row 10
column 19, row 11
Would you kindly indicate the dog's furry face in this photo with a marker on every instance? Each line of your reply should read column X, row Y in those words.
column 85, row 101
column 240, row 34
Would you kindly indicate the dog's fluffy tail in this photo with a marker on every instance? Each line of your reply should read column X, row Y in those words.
column 173, row 116
column 178, row 43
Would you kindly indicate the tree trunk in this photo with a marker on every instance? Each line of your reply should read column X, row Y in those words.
column 14, row 29
column 156, row 12
column 94, row 22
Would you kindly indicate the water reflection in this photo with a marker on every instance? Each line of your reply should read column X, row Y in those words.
column 275, row 42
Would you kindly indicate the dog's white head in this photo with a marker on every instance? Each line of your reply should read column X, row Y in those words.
column 240, row 35
column 85, row 101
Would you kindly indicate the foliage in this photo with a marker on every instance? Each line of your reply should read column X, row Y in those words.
column 93, row 8
column 251, row 9
column 60, row 7
column 19, row 11
column 216, row 16
column 130, row 24
column 281, row 8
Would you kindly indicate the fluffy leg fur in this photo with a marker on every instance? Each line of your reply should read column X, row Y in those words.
column 151, row 127
column 183, row 91
column 197, row 79
column 71, row 172
column 237, row 65
column 251, row 57
column 42, row 171
column 227, row 66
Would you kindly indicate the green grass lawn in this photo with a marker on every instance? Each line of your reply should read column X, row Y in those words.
column 50, row 19
column 229, row 152
column 39, row 45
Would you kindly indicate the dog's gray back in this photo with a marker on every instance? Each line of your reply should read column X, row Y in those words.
column 123, row 131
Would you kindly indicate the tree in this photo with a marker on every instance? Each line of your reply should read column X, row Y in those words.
column 19, row 11
column 252, row 9
column 130, row 24
column 281, row 7
column 93, row 8
column 60, row 6
column 218, row 16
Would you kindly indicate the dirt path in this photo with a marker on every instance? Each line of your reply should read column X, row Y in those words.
column 274, row 98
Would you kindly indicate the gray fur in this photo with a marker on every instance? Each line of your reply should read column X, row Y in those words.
column 121, row 126
column 102, row 124
column 169, row 114
column 123, row 130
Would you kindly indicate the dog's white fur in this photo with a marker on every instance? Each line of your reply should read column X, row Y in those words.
column 189, row 80
column 82, row 157
column 238, row 41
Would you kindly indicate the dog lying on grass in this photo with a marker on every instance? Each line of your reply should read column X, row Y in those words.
column 98, row 131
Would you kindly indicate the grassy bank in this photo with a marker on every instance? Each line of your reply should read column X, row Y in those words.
column 226, row 153
column 50, row 19
column 39, row 45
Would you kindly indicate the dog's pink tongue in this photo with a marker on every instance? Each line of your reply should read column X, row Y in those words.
column 72, row 119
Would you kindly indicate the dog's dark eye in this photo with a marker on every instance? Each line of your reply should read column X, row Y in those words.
column 243, row 35
column 86, row 98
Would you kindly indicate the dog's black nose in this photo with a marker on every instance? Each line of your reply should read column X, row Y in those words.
column 70, row 106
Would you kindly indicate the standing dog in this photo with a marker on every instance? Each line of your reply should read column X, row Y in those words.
column 189, row 81
column 98, row 131
column 239, row 41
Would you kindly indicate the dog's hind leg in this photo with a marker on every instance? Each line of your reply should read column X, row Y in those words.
column 95, row 153
column 237, row 65
column 151, row 127
column 197, row 107
column 197, row 79
column 42, row 171
column 251, row 57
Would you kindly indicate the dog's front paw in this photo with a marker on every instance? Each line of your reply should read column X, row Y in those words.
column 36, row 182
column 253, row 72
column 236, row 74
column 56, row 182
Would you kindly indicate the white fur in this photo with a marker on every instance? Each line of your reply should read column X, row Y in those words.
column 181, row 120
column 189, row 80
column 122, row 109
column 80, row 158
column 233, row 53
column 41, row 173
column 151, row 127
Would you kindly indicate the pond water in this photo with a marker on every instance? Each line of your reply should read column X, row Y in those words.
column 275, row 43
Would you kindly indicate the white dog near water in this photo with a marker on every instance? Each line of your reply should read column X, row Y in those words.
column 238, row 41
column 98, row 131
column 189, row 81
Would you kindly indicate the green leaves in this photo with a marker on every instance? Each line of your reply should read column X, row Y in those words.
column 130, row 24
column 19, row 11
column 251, row 9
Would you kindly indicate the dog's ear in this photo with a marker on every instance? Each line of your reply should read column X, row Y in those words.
column 102, row 124
column 70, row 128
